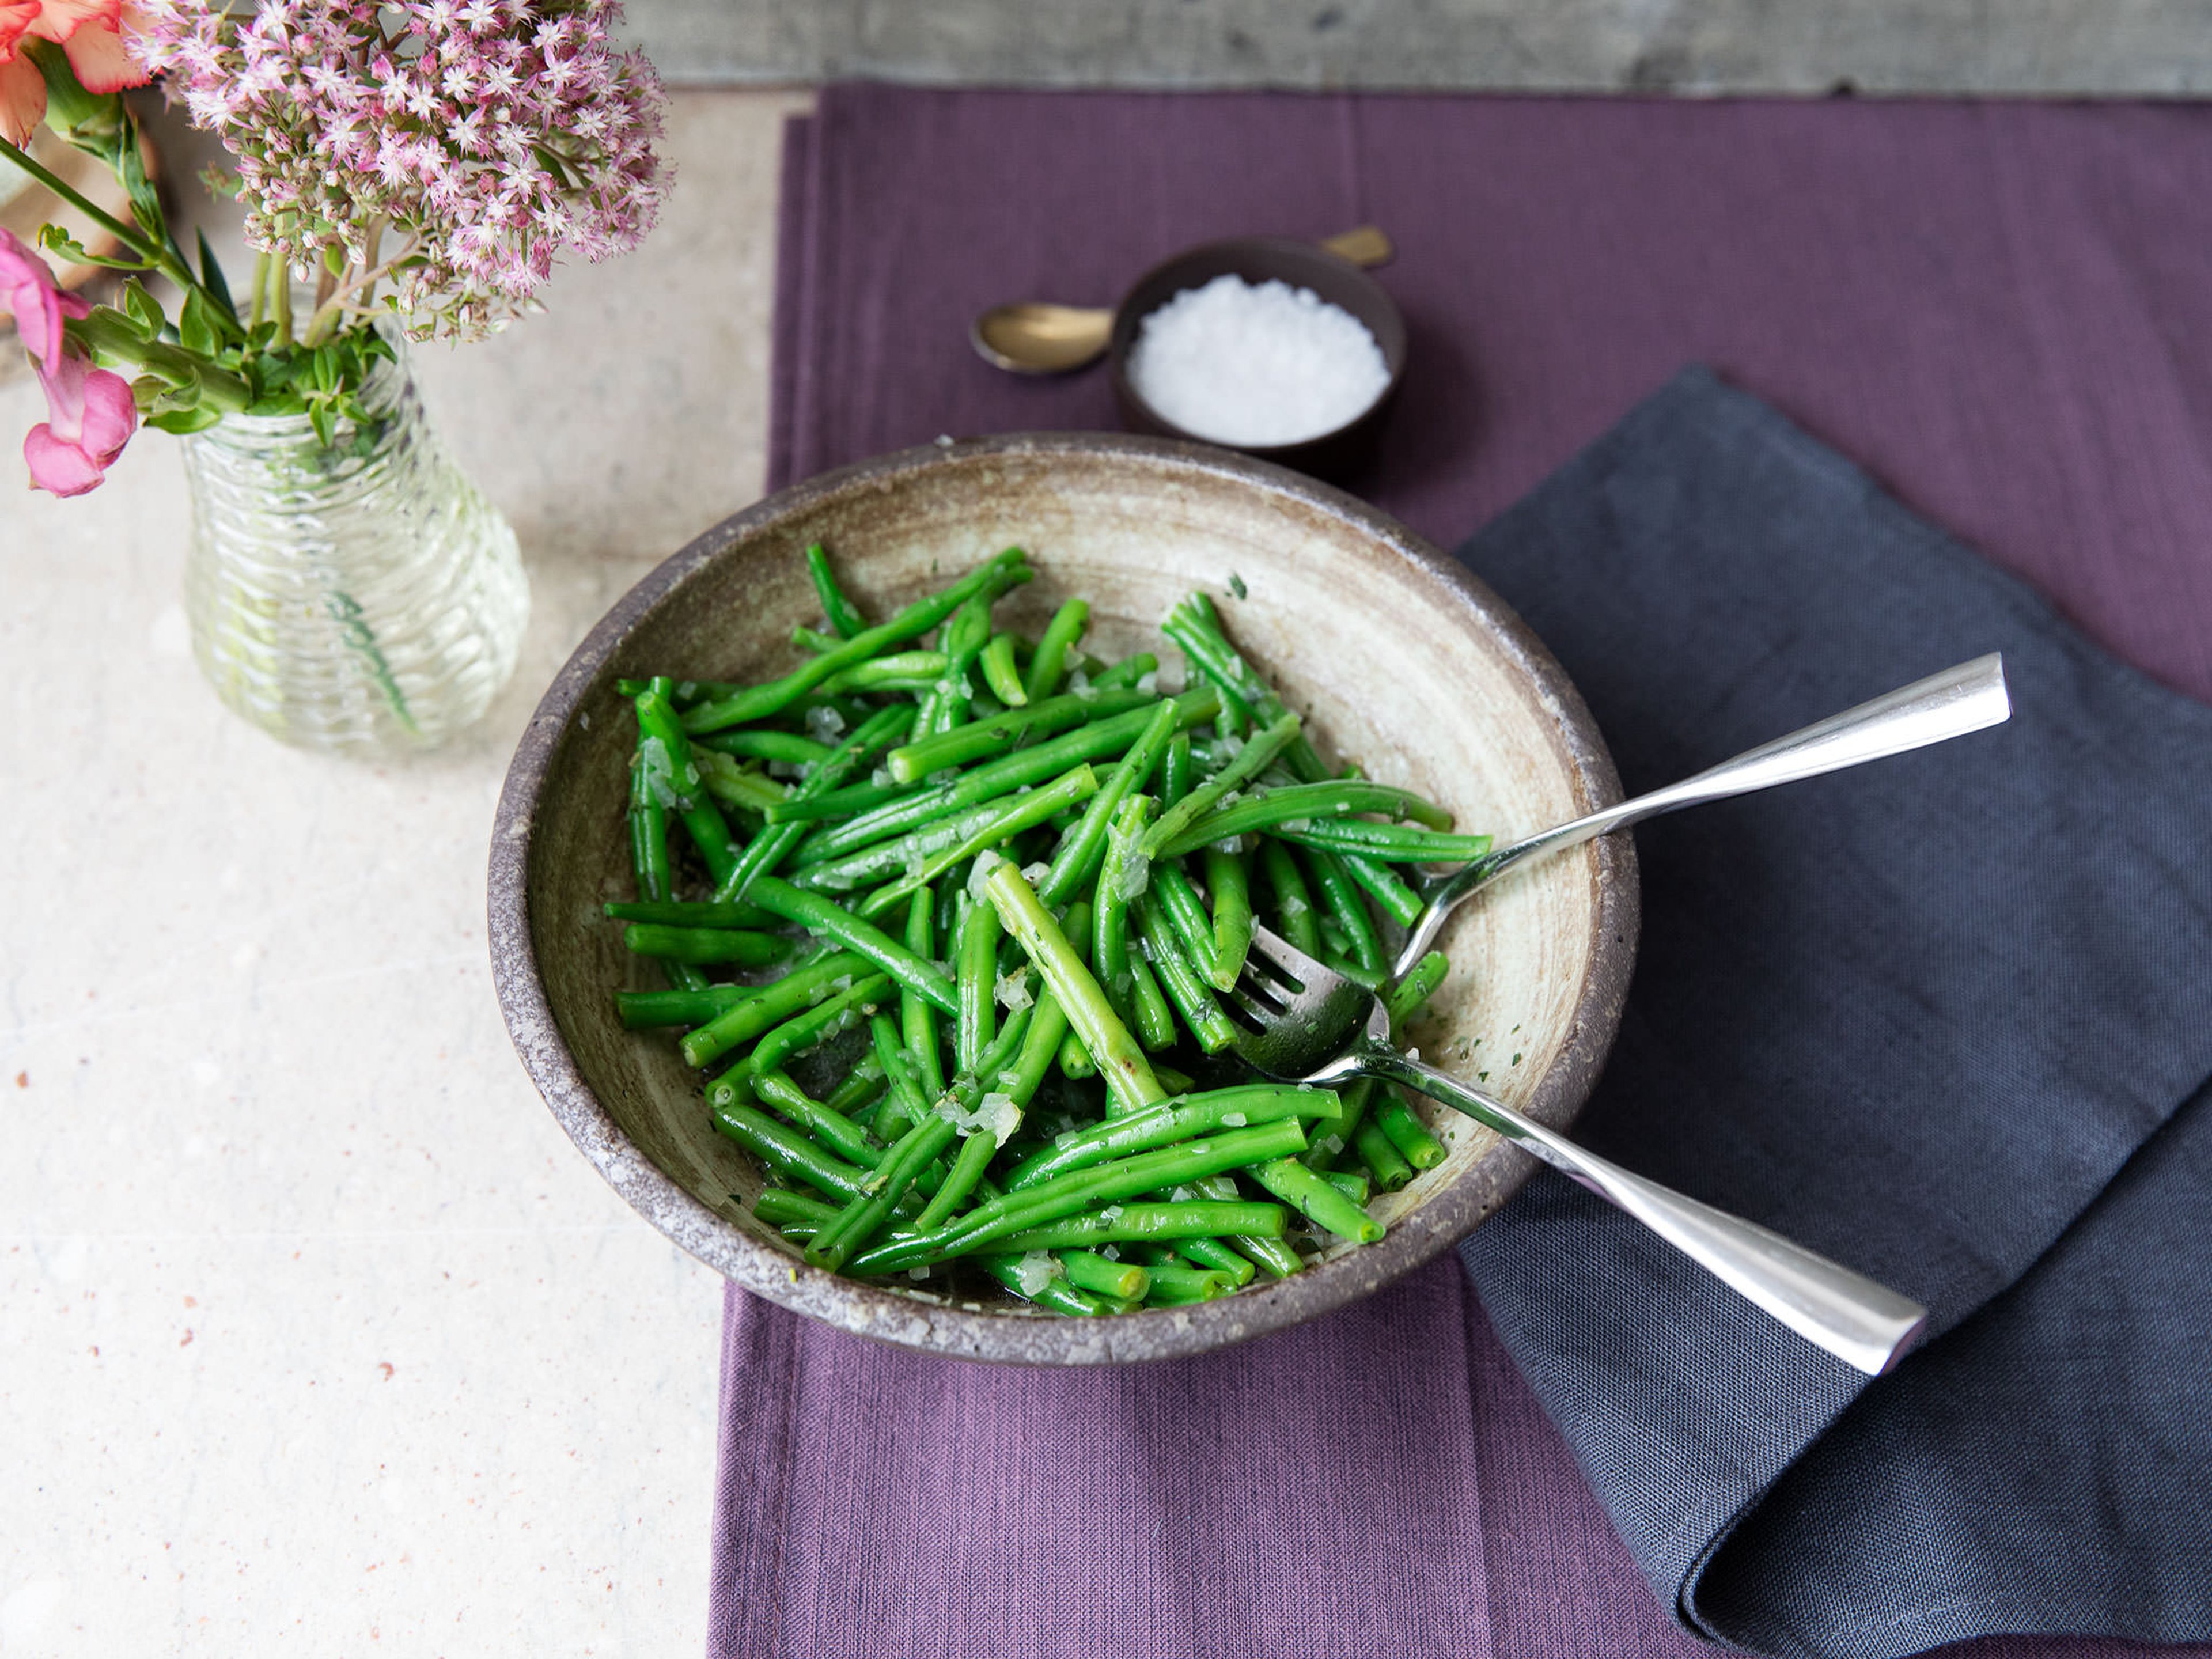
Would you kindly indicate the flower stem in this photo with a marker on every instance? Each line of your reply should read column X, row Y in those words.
column 281, row 283
column 260, row 288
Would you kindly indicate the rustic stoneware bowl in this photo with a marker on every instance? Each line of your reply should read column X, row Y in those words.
column 1399, row 659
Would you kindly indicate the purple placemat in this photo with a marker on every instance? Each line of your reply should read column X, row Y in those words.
column 1996, row 308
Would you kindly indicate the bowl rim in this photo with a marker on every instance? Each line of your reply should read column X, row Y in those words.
column 1122, row 333
column 933, row 1324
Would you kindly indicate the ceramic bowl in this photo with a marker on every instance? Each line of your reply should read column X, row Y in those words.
column 1397, row 656
column 1333, row 454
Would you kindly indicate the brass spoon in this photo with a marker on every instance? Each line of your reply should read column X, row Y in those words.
column 1035, row 338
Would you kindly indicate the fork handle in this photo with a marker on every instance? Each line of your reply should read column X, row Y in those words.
column 1861, row 1322
column 1966, row 698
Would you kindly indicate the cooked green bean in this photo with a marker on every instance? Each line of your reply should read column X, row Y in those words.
column 1149, row 1013
column 779, row 1205
column 757, row 701
column 1122, row 1223
column 1342, row 904
column 1128, row 671
column 1311, row 1193
column 1082, row 851
column 1415, row 1143
column 1399, row 902
column 764, row 1007
column 1382, row 1157
column 1309, row 805
column 820, row 1121
column 1168, row 1122
column 901, row 670
column 1182, row 979
column 1058, row 638
column 1047, row 1286
column 926, row 756
column 1251, row 760
column 1176, row 768
column 1129, row 1078
column 1001, row 674
column 788, row 1152
column 799, row 1034
column 976, row 980
column 864, row 1213
column 864, row 1085
column 818, row 915
column 1396, row 843
column 1094, row 741
column 1125, row 1281
column 773, row 845
column 643, row 1010
column 917, row 1013
column 814, row 640
column 1294, row 906
column 666, row 753
column 1022, row 812
column 703, row 946
column 844, row 616
column 1174, row 1285
column 1229, row 887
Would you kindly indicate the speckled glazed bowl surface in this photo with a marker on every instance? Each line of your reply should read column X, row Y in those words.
column 1398, row 659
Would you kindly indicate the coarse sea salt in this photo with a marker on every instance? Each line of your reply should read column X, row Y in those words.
column 1266, row 365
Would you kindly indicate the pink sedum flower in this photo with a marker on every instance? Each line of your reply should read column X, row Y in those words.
column 89, row 31
column 90, row 414
column 468, row 141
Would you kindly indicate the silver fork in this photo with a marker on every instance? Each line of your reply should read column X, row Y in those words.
column 1311, row 1024
column 1950, row 704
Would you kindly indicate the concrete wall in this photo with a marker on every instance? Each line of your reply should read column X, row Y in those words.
column 2156, row 47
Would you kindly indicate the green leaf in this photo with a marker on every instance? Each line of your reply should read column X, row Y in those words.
column 324, row 422
column 213, row 280
column 196, row 332
column 184, row 422
column 140, row 307
column 145, row 206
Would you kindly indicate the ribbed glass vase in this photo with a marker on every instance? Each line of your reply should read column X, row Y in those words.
column 360, row 597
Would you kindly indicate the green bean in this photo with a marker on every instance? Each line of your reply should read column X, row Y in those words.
column 1396, row 843
column 788, row 1152
column 844, row 803
column 1006, row 820
column 976, row 1151
column 1229, row 886
column 731, row 783
column 1047, row 1037
column 1273, row 1255
column 1122, row 1223
column 820, row 1122
column 1176, row 1287
column 1311, row 1195
column 1307, row 805
column 675, row 913
column 1186, row 988
column 1128, row 671
column 1148, row 1008
column 1180, row 902
column 814, row 640
column 649, row 831
column 994, row 778
column 1059, row 636
column 1213, row 1254
column 1352, row 1186
column 1404, row 1000
column 863, row 1086
column 701, row 946
column 666, row 754
column 917, row 1013
column 946, row 705
column 926, row 756
column 774, row 844
column 1342, row 903
column 1001, row 674
column 907, row 1103
column 901, row 671
column 818, row 915
column 1176, row 771
column 1054, row 1292
column 1329, row 1144
column 1109, row 949
column 797, row 1034
column 1083, row 849
column 864, row 1213
column 1129, row 1080
column 778, row 1205
column 1196, row 627
column 1125, row 1281
column 1075, row 1060
column 1382, row 1157
column 843, row 615
column 1294, row 905
column 1251, row 760
column 1084, row 1190
column 643, row 1010
column 763, row 1007
column 1415, row 1143
column 977, row 983
column 755, row 743
column 1168, row 1122
column 1399, row 902
column 757, row 701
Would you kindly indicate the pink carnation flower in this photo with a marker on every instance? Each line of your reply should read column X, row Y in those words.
column 90, row 414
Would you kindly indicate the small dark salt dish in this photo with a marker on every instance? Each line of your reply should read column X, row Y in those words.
column 1333, row 454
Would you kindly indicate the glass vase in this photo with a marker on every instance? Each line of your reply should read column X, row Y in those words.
column 360, row 597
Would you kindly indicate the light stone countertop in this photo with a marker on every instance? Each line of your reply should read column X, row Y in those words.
column 315, row 1331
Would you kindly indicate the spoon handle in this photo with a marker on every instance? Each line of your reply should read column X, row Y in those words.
column 1863, row 1323
column 1950, row 704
